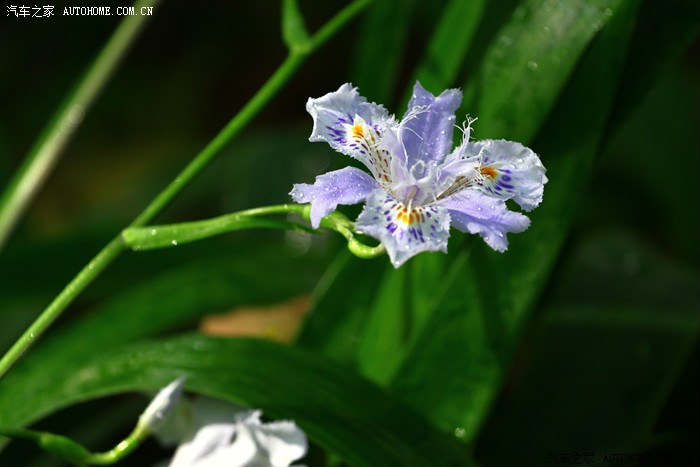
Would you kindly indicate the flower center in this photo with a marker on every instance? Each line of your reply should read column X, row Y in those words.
column 357, row 131
column 488, row 172
column 407, row 215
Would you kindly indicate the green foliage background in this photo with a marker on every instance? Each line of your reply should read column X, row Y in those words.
column 583, row 337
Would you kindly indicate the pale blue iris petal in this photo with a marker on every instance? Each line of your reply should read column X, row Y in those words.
column 384, row 219
column 348, row 185
column 478, row 213
column 517, row 171
column 426, row 129
column 335, row 113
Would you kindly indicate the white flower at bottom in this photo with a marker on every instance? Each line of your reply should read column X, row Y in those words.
column 247, row 442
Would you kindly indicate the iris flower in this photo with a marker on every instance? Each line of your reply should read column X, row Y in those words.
column 417, row 186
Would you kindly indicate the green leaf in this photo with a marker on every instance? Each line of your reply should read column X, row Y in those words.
column 385, row 328
column 337, row 318
column 294, row 31
column 474, row 331
column 381, row 46
column 528, row 63
column 663, row 32
column 448, row 45
column 339, row 411
column 245, row 273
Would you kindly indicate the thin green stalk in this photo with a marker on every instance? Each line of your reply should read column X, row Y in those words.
column 121, row 450
column 48, row 149
column 341, row 224
column 166, row 236
column 169, row 235
column 74, row 453
column 116, row 246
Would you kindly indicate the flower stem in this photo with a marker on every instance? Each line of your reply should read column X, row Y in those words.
column 165, row 236
column 74, row 453
column 121, row 450
column 338, row 222
column 116, row 246
column 48, row 148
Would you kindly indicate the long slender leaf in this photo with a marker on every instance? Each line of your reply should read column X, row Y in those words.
column 165, row 302
column 529, row 62
column 342, row 301
column 449, row 44
column 341, row 412
column 474, row 331
column 663, row 33
column 383, row 42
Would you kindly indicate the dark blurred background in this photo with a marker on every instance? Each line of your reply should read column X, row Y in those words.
column 635, row 243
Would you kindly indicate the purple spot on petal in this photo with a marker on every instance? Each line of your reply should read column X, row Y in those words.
column 506, row 178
